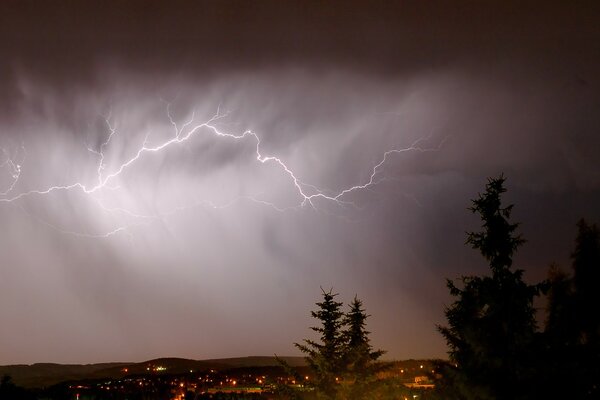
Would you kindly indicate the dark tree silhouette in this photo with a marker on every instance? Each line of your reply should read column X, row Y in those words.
column 586, row 266
column 343, row 363
column 497, row 242
column 325, row 358
column 560, row 319
column 491, row 325
column 8, row 390
column 572, row 334
column 586, row 278
column 360, row 360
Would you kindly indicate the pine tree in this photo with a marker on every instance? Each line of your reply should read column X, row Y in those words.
column 343, row 363
column 325, row 358
column 586, row 278
column 359, row 357
column 572, row 333
column 586, row 267
column 560, row 324
column 491, row 325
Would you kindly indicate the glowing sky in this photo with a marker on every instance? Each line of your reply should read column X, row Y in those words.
column 199, row 246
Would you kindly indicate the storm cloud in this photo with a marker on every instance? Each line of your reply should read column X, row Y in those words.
column 201, row 251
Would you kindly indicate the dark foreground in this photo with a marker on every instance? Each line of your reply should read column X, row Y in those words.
column 180, row 379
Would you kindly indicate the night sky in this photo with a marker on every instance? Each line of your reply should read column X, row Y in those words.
column 199, row 246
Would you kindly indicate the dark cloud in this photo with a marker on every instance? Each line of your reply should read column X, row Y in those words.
column 206, row 267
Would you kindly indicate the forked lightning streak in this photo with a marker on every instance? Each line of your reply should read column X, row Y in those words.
column 11, row 166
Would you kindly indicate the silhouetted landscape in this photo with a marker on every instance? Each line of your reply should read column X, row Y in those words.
column 41, row 375
column 496, row 349
column 370, row 199
column 254, row 377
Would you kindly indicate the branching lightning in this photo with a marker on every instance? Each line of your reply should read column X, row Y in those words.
column 11, row 165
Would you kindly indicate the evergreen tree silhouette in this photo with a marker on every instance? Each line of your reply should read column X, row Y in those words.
column 325, row 358
column 491, row 325
column 360, row 360
column 572, row 334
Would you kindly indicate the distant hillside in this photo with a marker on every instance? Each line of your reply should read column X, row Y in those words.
column 47, row 374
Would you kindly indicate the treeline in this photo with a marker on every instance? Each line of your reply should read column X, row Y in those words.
column 497, row 350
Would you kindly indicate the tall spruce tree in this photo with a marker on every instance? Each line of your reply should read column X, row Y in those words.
column 561, row 321
column 586, row 296
column 326, row 358
column 343, row 363
column 572, row 333
column 491, row 324
column 558, row 375
column 586, row 267
column 360, row 359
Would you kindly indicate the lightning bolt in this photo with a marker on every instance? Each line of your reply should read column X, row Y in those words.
column 105, row 176
column 13, row 167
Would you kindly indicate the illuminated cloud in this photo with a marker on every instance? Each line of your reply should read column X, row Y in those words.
column 340, row 148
